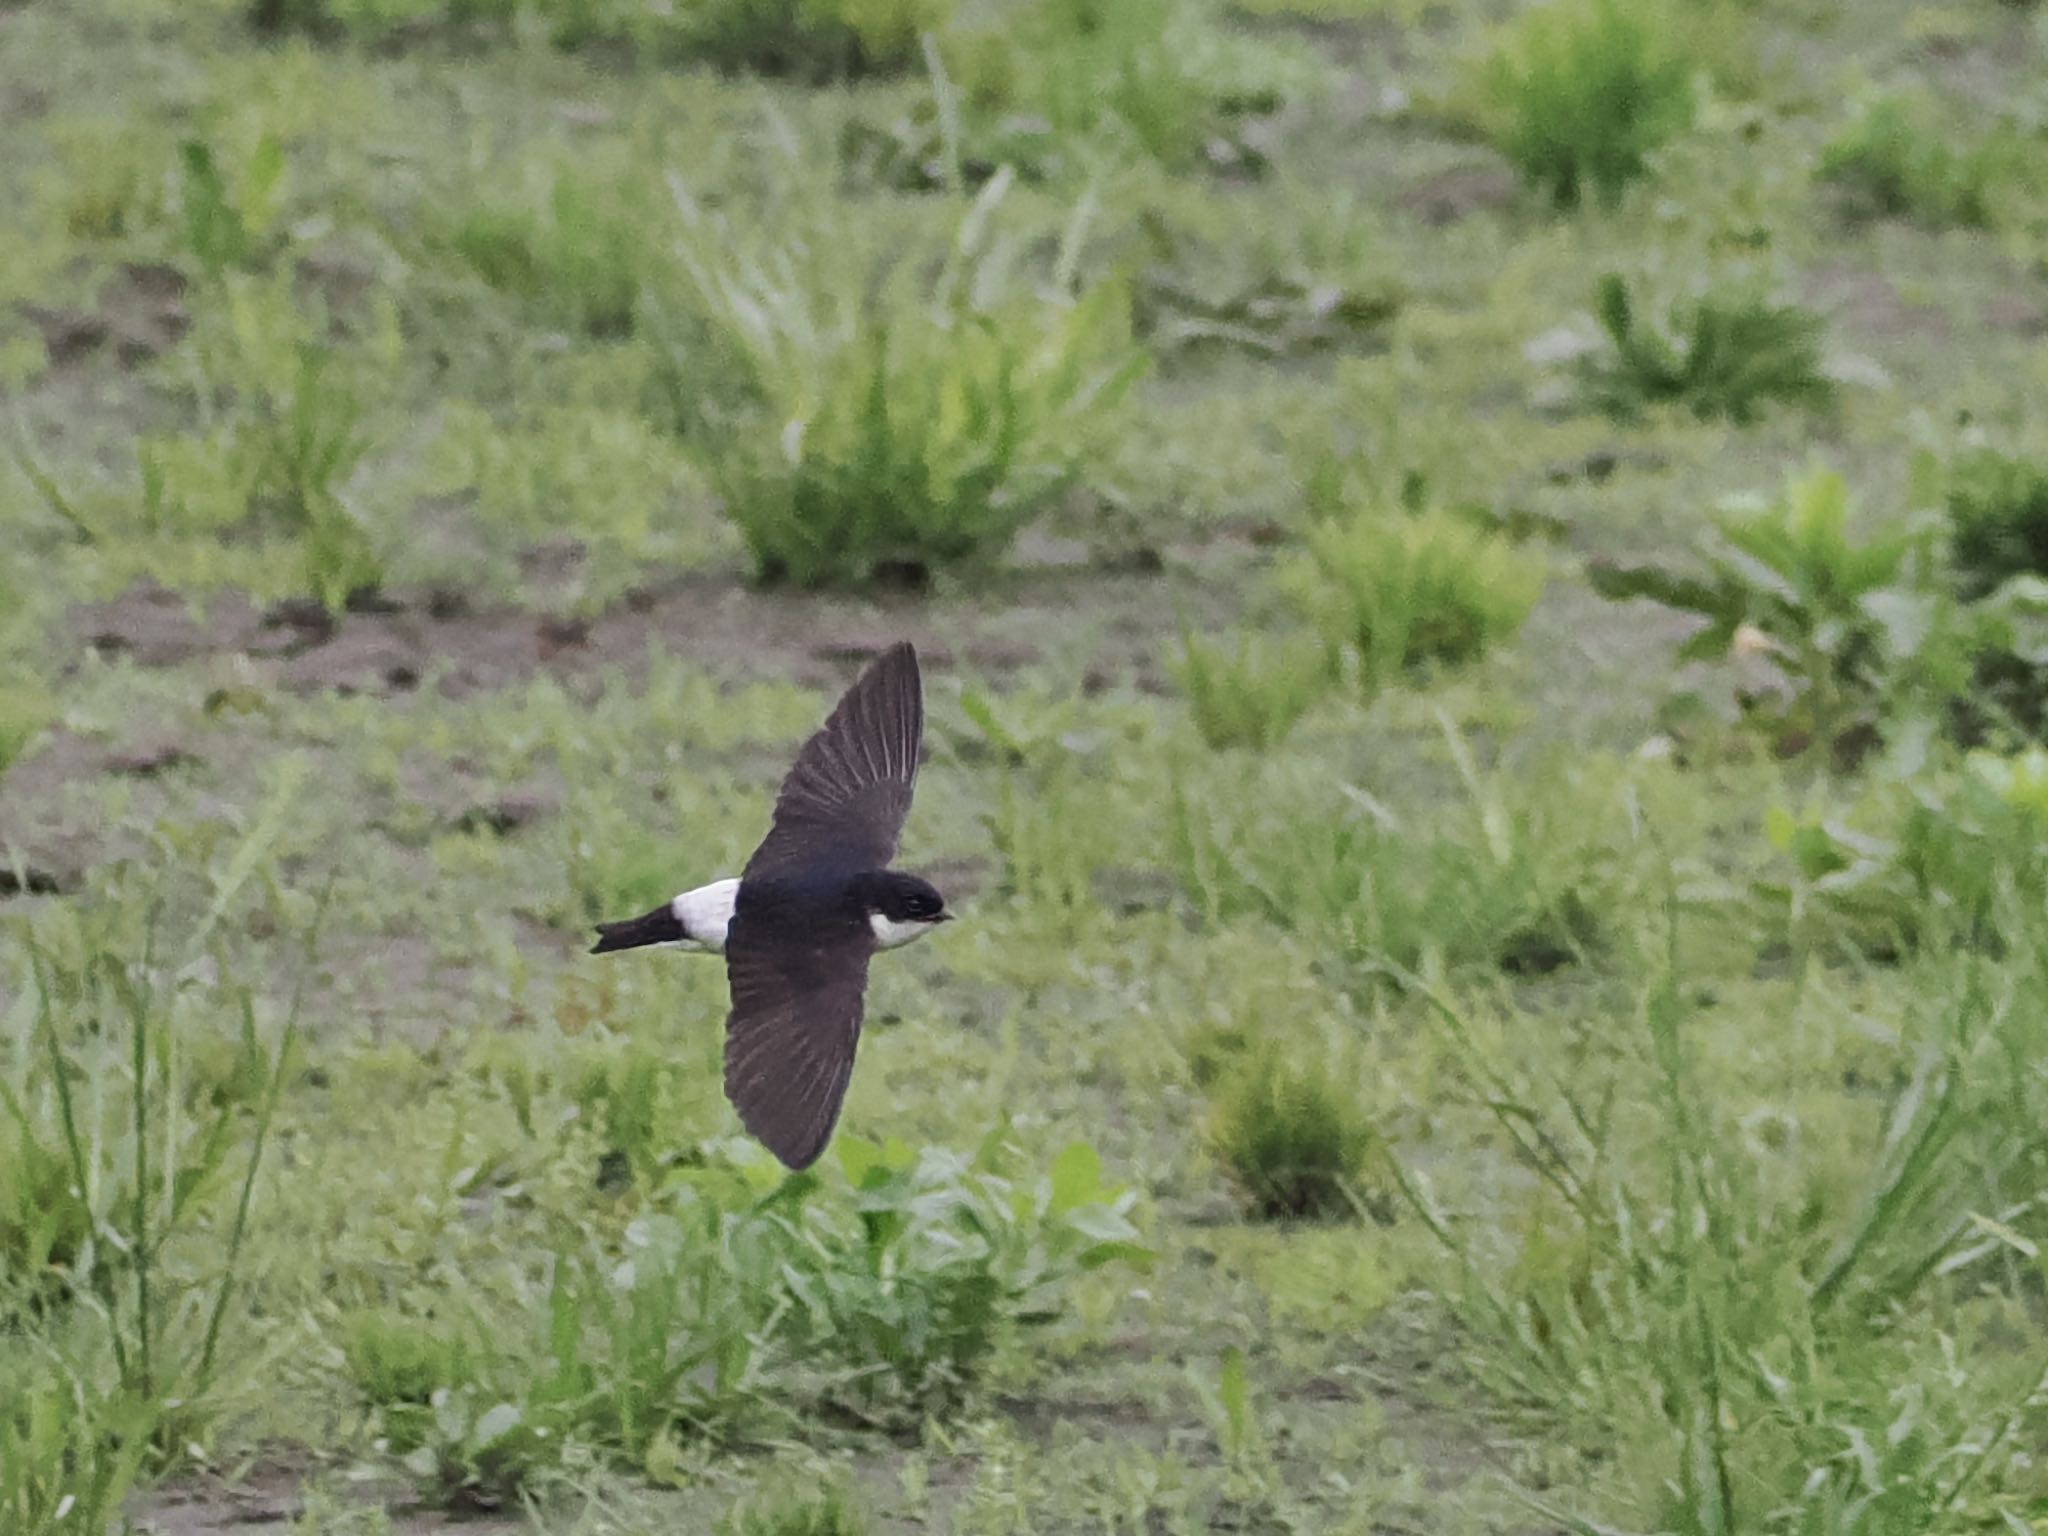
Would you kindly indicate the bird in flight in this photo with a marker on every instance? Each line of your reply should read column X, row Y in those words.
column 813, row 905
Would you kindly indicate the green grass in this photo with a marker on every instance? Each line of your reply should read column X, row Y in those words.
column 1290, row 1136
column 1580, row 96
column 1396, row 593
column 1728, row 354
column 1425, row 1047
column 1891, row 161
column 853, row 435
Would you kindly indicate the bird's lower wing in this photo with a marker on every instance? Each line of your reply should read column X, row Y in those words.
column 791, row 1036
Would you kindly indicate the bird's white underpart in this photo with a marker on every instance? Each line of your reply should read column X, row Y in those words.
column 892, row 934
column 706, row 913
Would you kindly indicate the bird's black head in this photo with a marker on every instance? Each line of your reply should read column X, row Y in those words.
column 900, row 907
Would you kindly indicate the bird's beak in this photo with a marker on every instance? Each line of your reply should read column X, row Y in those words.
column 943, row 917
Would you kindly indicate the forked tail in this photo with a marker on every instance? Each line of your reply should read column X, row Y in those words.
column 660, row 926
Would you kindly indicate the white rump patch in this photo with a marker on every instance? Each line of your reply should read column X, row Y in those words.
column 705, row 914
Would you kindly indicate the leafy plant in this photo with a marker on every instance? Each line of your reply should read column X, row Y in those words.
column 1157, row 73
column 1254, row 697
column 476, row 1453
column 1395, row 591
column 855, row 438
column 791, row 1510
column 397, row 1364
column 1838, row 614
column 69, row 1454
column 1289, row 1135
column 1997, row 520
column 907, row 1290
column 114, row 1160
column 575, row 255
column 1580, row 94
column 1696, row 1288
column 1890, row 161
column 1514, row 877
column 232, row 228
column 24, row 711
column 1727, row 355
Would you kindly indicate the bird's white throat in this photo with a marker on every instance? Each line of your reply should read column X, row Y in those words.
column 706, row 913
column 891, row 934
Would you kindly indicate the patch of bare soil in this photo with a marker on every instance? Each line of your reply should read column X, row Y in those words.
column 138, row 312
column 396, row 645
column 272, row 1498
column 1866, row 303
column 1464, row 190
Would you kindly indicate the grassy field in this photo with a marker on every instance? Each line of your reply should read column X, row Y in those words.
column 1483, row 579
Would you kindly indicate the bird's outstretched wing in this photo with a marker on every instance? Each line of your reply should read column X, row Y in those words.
column 845, row 800
column 792, row 1033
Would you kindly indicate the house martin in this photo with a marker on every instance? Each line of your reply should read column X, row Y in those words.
column 813, row 904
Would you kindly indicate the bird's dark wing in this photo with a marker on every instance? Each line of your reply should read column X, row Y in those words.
column 791, row 1035
column 845, row 801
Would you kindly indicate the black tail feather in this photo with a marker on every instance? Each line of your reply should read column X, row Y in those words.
column 658, row 927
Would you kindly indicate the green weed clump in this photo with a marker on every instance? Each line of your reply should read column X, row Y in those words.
column 1158, row 74
column 1254, row 697
column 1515, row 877
column 1997, row 506
column 24, row 711
column 908, row 1294
column 793, row 1511
column 575, row 256
column 1580, row 94
column 1891, row 162
column 1727, row 355
column 1395, row 592
column 1289, row 1135
column 233, row 226
column 1840, row 615
column 1696, row 1289
column 856, row 435
column 130, row 1129
column 69, row 1453
column 888, row 1294
column 283, row 412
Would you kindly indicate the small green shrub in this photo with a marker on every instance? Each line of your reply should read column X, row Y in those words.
column 1395, row 591
column 855, row 435
column 1839, row 614
column 69, row 1454
column 24, row 711
column 1891, row 162
column 904, row 1294
column 1253, row 698
column 476, row 1453
column 1727, row 355
column 575, row 256
column 1157, row 73
column 793, row 1511
column 1997, row 507
column 285, row 411
column 1289, row 1135
column 119, row 1144
column 397, row 1363
column 229, row 228
column 1696, row 1289
column 1517, row 876
column 1580, row 94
